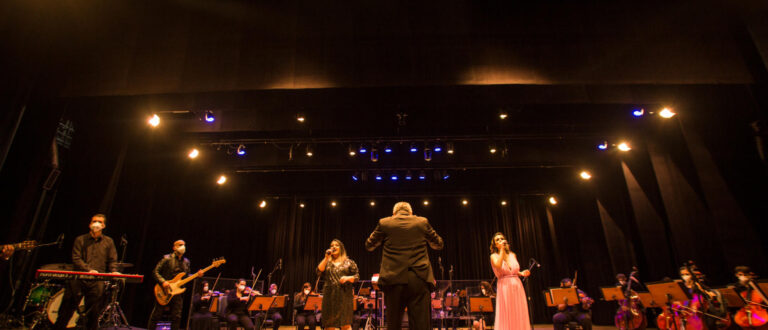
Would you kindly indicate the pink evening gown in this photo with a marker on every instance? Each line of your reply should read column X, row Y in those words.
column 511, row 304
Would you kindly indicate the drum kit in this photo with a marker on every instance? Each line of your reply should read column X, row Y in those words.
column 42, row 304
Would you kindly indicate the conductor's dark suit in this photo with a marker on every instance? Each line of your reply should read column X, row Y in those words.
column 406, row 273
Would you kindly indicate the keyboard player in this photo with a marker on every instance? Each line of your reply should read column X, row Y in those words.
column 93, row 252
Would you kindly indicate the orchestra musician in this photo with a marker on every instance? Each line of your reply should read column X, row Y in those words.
column 92, row 252
column 579, row 312
column 406, row 272
column 486, row 290
column 271, row 314
column 754, row 314
column 201, row 318
column 304, row 317
column 700, row 296
column 339, row 273
column 365, row 308
column 167, row 268
column 237, row 306
column 621, row 280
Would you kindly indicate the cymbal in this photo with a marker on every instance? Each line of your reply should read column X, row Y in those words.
column 58, row 267
column 124, row 265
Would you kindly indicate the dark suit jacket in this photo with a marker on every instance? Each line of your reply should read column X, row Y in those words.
column 405, row 238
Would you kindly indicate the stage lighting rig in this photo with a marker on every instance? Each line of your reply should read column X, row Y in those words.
column 241, row 150
column 209, row 117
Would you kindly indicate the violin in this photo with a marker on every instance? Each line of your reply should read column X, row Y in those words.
column 753, row 314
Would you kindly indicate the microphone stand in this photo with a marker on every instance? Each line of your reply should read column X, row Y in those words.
column 531, row 263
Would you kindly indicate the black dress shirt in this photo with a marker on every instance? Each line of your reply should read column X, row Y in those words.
column 89, row 253
column 170, row 266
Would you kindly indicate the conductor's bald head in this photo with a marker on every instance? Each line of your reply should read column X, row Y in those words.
column 402, row 206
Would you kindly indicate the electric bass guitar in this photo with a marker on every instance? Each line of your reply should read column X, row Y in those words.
column 164, row 295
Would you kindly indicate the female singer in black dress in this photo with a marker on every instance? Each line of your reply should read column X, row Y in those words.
column 339, row 272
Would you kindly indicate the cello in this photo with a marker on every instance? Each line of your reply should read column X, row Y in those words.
column 630, row 315
column 753, row 314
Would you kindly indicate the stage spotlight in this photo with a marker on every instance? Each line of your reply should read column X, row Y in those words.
column 427, row 155
column 387, row 148
column 193, row 153
column 209, row 118
column 503, row 203
column 449, row 148
column 241, row 150
column 408, row 175
column 373, row 203
column 333, row 204
column 464, row 202
column 552, row 200
column 301, row 205
column 378, row 177
column 585, row 175
column 438, row 147
column 222, row 180
column 363, row 149
column 638, row 112
column 310, row 151
column 624, row 146
column 492, row 148
column 666, row 113
column 394, row 177
column 446, row 175
column 413, row 148
column 356, row 177
column 300, row 118
column 503, row 115
column 603, row 146
column 374, row 155
column 263, row 204
column 154, row 120
column 422, row 176
column 426, row 202
column 351, row 151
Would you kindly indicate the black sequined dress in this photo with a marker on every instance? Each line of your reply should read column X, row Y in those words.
column 338, row 298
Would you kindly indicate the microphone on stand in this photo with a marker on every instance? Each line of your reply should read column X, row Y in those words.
column 123, row 241
column 60, row 240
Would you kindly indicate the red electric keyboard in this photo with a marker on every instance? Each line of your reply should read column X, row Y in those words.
column 70, row 275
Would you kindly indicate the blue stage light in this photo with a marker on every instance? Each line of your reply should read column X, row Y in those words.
column 209, row 117
column 414, row 148
column 355, row 177
column 638, row 112
column 438, row 148
column 363, row 149
column 408, row 175
column 388, row 149
column 422, row 176
column 603, row 146
column 378, row 177
column 394, row 177
column 241, row 150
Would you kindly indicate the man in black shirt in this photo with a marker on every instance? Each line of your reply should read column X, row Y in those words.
column 92, row 252
column 168, row 267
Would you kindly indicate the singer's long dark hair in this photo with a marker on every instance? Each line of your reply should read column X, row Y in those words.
column 493, row 243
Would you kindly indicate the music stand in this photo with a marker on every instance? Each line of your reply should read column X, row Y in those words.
column 480, row 305
column 568, row 296
column 667, row 291
column 611, row 293
column 647, row 299
column 314, row 303
column 731, row 297
column 548, row 299
column 452, row 301
column 263, row 304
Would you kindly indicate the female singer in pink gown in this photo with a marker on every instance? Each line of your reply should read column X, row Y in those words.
column 511, row 304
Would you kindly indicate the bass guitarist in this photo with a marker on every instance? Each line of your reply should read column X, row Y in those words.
column 168, row 267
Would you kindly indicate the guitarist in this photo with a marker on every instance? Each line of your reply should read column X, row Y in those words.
column 168, row 267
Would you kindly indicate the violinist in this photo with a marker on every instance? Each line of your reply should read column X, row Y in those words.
column 581, row 313
column 754, row 314
column 271, row 314
column 304, row 317
column 365, row 308
column 237, row 306
column 201, row 318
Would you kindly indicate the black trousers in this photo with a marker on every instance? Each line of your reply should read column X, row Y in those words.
column 304, row 319
column 174, row 308
column 238, row 319
column 203, row 321
column 562, row 318
column 92, row 291
column 415, row 296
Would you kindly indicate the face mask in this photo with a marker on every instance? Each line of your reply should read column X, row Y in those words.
column 241, row 287
column 205, row 289
column 686, row 277
column 306, row 292
column 273, row 291
column 181, row 249
column 97, row 226
column 743, row 278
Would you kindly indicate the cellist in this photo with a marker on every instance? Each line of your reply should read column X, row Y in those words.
column 753, row 315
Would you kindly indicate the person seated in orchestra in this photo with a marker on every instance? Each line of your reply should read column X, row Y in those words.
column 743, row 274
column 579, row 313
column 486, row 290
column 304, row 317
column 365, row 308
column 622, row 281
column 7, row 252
column 700, row 296
column 273, row 313
column 237, row 307
column 201, row 318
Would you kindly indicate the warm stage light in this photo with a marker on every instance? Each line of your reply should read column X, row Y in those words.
column 373, row 203
column 426, row 202
column 492, row 150
column 241, row 150
column 666, row 113
column 263, row 204
column 222, row 180
column 194, row 153
column 301, row 205
column 351, row 151
column 503, row 203
column 449, row 148
column 624, row 146
column 585, row 175
column 154, row 121
column 333, row 204
column 209, row 118
column 464, row 202
column 552, row 200
column 300, row 118
column 310, row 152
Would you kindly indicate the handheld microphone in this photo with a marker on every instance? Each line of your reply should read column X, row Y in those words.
column 328, row 252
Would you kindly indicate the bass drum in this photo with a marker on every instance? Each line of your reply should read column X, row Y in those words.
column 52, row 309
